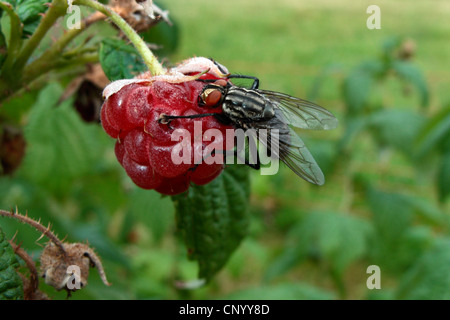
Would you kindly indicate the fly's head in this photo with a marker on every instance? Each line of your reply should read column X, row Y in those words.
column 213, row 94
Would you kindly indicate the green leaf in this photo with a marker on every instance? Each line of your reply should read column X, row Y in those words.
column 392, row 213
column 30, row 13
column 29, row 10
column 285, row 291
column 213, row 219
column 390, row 45
column 342, row 239
column 429, row 277
column 11, row 2
column 15, row 26
column 120, row 60
column 60, row 146
column 358, row 85
column 435, row 134
column 3, row 46
column 396, row 128
column 354, row 126
column 11, row 286
column 396, row 242
column 443, row 180
column 338, row 239
column 14, row 108
column 164, row 36
column 291, row 256
column 357, row 90
column 427, row 211
column 153, row 210
column 325, row 153
column 410, row 73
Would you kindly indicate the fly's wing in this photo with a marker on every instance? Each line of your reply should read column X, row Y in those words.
column 289, row 148
column 301, row 113
column 297, row 157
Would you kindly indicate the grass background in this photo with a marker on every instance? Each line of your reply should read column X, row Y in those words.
column 289, row 42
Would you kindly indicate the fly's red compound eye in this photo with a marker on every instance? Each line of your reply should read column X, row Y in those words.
column 221, row 82
column 213, row 94
column 211, row 97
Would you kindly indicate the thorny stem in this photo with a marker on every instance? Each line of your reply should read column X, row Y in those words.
column 57, row 9
column 10, row 83
column 34, row 277
column 37, row 225
column 76, row 52
column 83, row 60
column 56, row 64
column 50, row 58
column 147, row 55
column 14, row 37
column 12, row 80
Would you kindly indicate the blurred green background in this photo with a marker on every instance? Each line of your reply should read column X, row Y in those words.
column 387, row 167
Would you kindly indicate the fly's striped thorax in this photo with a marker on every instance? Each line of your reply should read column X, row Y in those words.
column 241, row 103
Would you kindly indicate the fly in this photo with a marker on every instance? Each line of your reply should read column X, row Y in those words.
column 257, row 109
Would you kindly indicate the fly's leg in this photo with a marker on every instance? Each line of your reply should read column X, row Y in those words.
column 248, row 155
column 236, row 154
column 212, row 153
column 166, row 119
column 218, row 66
column 207, row 80
column 254, row 86
column 245, row 160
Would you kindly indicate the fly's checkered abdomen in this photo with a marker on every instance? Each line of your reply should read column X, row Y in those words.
column 244, row 104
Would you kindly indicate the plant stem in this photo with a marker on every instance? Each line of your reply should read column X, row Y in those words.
column 79, row 51
column 82, row 60
column 15, row 36
column 51, row 56
column 37, row 225
column 10, row 83
column 34, row 276
column 57, row 9
column 147, row 55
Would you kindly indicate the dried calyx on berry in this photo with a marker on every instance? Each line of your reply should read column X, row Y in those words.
column 12, row 149
column 133, row 111
column 57, row 263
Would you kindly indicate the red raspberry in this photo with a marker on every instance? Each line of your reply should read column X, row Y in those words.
column 144, row 146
